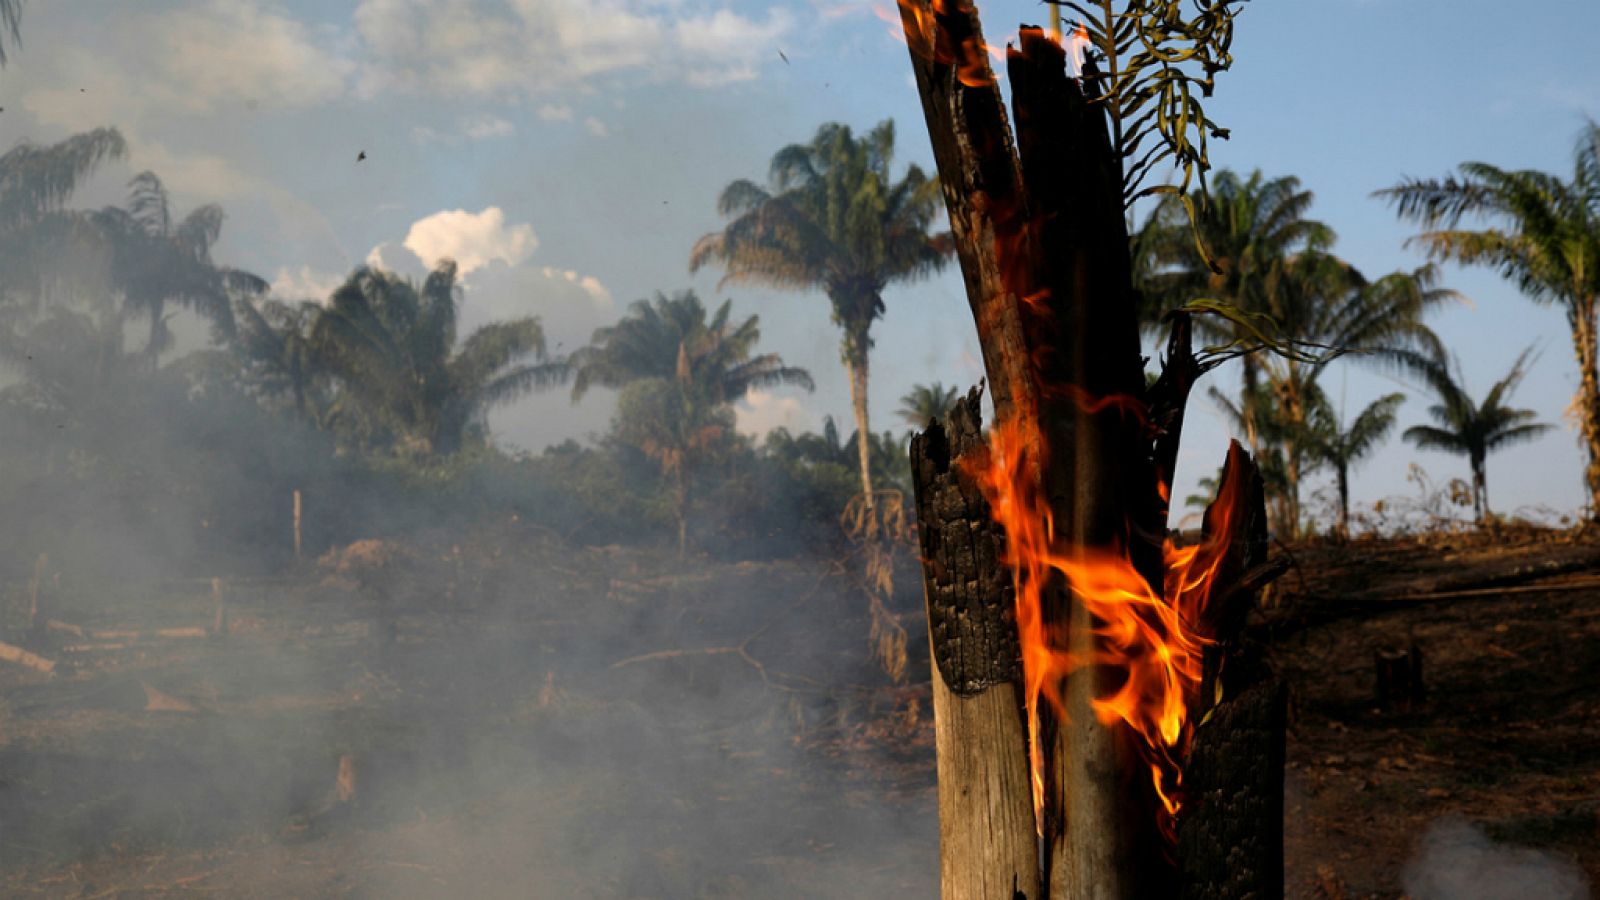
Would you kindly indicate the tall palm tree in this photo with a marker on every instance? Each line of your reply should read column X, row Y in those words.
column 157, row 260
column 1341, row 447
column 1544, row 235
column 926, row 402
column 392, row 344
column 832, row 218
column 679, row 373
column 1250, row 227
column 35, row 182
column 1474, row 430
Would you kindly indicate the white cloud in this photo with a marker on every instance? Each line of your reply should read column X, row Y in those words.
column 596, row 127
column 724, row 47
column 598, row 293
column 473, row 240
column 555, row 112
column 486, row 126
column 230, row 50
column 529, row 47
column 762, row 411
column 198, row 60
column 294, row 285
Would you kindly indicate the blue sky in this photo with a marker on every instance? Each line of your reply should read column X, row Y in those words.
column 575, row 148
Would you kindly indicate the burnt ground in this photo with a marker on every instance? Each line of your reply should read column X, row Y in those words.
column 1508, row 735
column 556, row 722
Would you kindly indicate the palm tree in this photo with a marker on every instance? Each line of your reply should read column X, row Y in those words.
column 1474, row 430
column 274, row 338
column 392, row 345
column 35, row 182
column 1318, row 299
column 832, row 218
column 926, row 402
column 1341, row 448
column 658, row 340
column 679, row 374
column 1250, row 227
column 71, row 365
column 1545, row 237
column 157, row 260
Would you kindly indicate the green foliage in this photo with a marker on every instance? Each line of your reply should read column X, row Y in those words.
column 156, row 260
column 404, row 383
column 1465, row 427
column 1544, row 237
column 832, row 218
column 659, row 340
column 1151, row 67
column 679, row 373
column 1549, row 239
column 926, row 402
column 1272, row 284
column 36, row 230
column 1329, row 442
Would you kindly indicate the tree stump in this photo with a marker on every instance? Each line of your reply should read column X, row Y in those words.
column 1398, row 679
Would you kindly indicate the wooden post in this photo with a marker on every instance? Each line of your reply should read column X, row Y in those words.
column 297, row 525
column 35, row 619
column 219, row 619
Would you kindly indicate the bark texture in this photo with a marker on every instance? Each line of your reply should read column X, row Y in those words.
column 987, row 841
column 1230, row 837
column 857, row 366
column 1040, row 233
column 1587, row 344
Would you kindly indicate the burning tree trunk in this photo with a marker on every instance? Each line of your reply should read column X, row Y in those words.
column 1078, row 476
column 986, row 833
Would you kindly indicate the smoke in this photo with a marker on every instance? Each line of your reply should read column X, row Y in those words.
column 1457, row 861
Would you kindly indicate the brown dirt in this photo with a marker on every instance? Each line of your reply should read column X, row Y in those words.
column 604, row 723
column 1508, row 736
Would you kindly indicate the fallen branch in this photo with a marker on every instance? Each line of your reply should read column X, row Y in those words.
column 1381, row 605
column 126, row 635
column 65, row 627
column 1412, row 599
column 21, row 657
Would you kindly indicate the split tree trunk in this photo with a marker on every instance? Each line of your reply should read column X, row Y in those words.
column 1044, row 250
column 1044, row 253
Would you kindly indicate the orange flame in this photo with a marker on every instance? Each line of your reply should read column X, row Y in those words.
column 1150, row 637
column 916, row 27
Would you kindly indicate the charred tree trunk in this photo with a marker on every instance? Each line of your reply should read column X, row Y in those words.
column 1044, row 251
column 988, row 844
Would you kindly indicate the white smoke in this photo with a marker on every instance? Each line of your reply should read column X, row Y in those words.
column 1457, row 861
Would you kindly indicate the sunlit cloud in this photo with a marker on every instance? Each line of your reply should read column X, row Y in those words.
column 304, row 283
column 762, row 411
column 473, row 240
